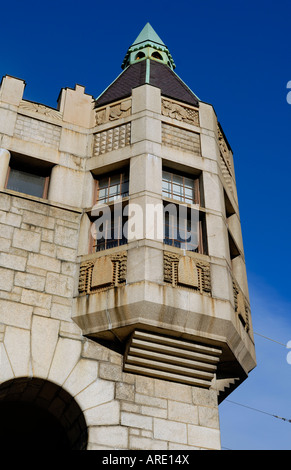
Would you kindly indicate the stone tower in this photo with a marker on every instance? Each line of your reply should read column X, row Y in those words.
column 124, row 310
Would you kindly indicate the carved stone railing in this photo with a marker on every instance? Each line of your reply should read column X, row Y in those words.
column 103, row 272
column 185, row 271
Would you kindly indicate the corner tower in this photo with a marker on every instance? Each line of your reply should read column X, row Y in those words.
column 176, row 306
column 123, row 288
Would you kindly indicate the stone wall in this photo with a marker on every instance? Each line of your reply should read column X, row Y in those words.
column 38, row 280
column 37, row 261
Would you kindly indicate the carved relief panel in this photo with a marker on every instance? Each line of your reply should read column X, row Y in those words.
column 186, row 271
column 241, row 306
column 180, row 112
column 103, row 273
column 113, row 112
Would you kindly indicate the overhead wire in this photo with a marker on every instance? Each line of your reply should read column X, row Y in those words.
column 259, row 411
column 256, row 409
column 270, row 339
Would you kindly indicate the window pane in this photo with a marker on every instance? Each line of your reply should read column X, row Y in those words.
column 125, row 188
column 24, row 182
column 103, row 193
column 103, row 183
column 178, row 187
column 189, row 194
column 113, row 187
column 114, row 191
column 178, row 192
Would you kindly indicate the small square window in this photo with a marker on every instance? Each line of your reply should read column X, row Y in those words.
column 181, row 188
column 112, row 187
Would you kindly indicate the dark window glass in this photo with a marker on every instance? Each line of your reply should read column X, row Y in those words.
column 25, row 182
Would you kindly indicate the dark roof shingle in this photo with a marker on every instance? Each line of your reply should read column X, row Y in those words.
column 161, row 76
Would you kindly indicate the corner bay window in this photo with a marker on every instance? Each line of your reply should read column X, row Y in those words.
column 184, row 222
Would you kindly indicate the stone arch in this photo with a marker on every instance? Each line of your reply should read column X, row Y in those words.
column 43, row 353
column 37, row 414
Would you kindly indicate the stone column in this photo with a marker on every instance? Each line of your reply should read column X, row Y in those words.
column 4, row 165
column 145, row 255
column 66, row 186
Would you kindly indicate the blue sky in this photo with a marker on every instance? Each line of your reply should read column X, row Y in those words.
column 236, row 56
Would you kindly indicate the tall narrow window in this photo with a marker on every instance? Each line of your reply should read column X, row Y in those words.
column 109, row 227
column 184, row 224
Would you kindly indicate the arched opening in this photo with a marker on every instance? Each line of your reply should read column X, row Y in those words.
column 39, row 415
column 139, row 55
column 157, row 55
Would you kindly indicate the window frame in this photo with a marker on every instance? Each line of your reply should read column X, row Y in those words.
column 171, row 195
column 176, row 242
column 34, row 172
column 115, row 242
column 197, row 200
column 122, row 194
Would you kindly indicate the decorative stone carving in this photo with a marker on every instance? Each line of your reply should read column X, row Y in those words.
column 111, row 139
column 223, row 146
column 179, row 112
column 103, row 273
column 113, row 112
column 225, row 161
column 241, row 306
column 40, row 109
column 187, row 271
column 226, row 173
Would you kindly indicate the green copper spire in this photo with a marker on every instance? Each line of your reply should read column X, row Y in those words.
column 148, row 34
column 148, row 45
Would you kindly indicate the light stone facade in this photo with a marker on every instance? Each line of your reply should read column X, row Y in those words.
column 59, row 323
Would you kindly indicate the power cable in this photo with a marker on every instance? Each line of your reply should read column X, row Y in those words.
column 270, row 339
column 259, row 411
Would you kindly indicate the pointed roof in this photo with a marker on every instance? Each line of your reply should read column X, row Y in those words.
column 148, row 61
column 148, row 34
